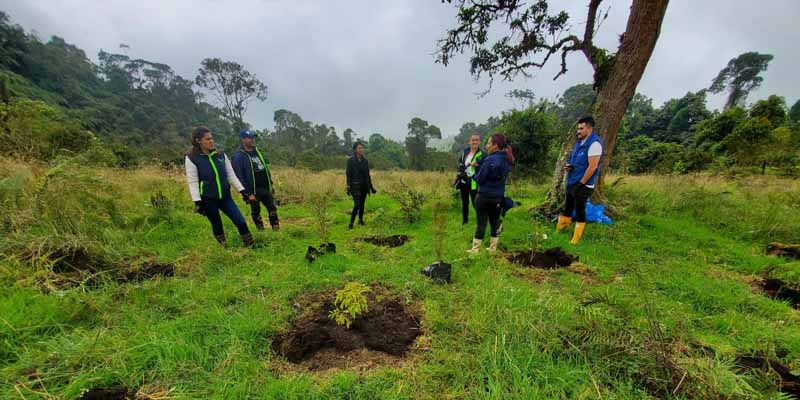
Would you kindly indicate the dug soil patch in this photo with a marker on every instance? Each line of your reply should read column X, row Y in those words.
column 387, row 241
column 383, row 335
column 548, row 259
column 789, row 383
column 779, row 290
column 784, row 250
column 108, row 394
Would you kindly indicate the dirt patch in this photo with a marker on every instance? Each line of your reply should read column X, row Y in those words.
column 387, row 241
column 784, row 250
column 789, row 383
column 779, row 290
column 116, row 393
column 389, row 327
column 148, row 271
column 548, row 259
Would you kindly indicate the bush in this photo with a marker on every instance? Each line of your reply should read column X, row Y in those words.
column 411, row 201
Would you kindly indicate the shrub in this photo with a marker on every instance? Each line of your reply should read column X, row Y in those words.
column 411, row 201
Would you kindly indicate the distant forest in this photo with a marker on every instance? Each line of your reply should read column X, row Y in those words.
column 123, row 111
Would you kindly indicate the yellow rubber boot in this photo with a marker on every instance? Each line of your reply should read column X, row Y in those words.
column 563, row 222
column 576, row 236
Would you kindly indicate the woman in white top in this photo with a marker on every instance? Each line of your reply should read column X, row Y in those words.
column 466, row 170
column 210, row 176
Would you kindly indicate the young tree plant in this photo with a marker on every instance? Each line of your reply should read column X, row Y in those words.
column 438, row 228
column 350, row 302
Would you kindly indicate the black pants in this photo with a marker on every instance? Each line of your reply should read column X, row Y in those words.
column 577, row 196
column 212, row 208
column 264, row 197
column 467, row 195
column 487, row 209
column 359, row 199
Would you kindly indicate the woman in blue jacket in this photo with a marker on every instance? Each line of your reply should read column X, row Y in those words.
column 490, row 201
column 210, row 176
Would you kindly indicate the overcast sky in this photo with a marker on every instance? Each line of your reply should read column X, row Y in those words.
column 369, row 65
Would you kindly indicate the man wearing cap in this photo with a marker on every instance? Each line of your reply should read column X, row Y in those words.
column 253, row 172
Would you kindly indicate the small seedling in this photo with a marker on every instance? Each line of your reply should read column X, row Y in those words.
column 535, row 240
column 350, row 302
column 438, row 228
column 411, row 201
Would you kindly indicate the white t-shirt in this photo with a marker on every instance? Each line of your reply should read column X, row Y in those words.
column 467, row 161
column 596, row 149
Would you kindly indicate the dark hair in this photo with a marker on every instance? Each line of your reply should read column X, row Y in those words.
column 588, row 120
column 500, row 140
column 356, row 144
column 197, row 134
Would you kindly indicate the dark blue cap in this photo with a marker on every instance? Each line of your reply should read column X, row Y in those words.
column 245, row 133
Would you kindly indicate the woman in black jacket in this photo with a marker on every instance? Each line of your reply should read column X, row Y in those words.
column 359, row 183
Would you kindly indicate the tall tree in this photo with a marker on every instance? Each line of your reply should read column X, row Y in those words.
column 533, row 35
column 419, row 133
column 740, row 77
column 233, row 86
column 794, row 112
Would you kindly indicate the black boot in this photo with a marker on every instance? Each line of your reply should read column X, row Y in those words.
column 259, row 223
column 221, row 240
column 248, row 240
column 273, row 221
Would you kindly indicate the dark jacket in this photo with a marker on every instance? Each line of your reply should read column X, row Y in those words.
column 245, row 171
column 211, row 173
column 492, row 174
column 358, row 178
column 580, row 161
column 466, row 179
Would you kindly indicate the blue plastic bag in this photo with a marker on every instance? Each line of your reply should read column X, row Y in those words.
column 596, row 213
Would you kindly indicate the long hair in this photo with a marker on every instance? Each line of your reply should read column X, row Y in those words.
column 197, row 134
column 500, row 140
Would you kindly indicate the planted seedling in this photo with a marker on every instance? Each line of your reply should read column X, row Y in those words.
column 439, row 271
column 411, row 201
column 350, row 302
column 320, row 202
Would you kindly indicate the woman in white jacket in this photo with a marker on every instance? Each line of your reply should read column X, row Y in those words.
column 210, row 176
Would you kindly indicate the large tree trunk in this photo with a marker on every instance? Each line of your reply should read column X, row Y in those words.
column 617, row 88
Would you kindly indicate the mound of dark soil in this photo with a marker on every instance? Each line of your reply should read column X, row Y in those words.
column 389, row 326
column 116, row 393
column 548, row 259
column 148, row 271
column 387, row 241
column 784, row 250
column 789, row 383
column 779, row 290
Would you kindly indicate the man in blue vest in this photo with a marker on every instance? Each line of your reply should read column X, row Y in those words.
column 253, row 172
column 583, row 170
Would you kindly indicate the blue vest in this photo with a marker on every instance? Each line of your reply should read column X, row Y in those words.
column 211, row 174
column 580, row 160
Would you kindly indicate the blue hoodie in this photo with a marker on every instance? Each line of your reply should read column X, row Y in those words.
column 492, row 174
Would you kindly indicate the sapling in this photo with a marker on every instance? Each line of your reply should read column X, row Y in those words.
column 411, row 201
column 350, row 302
column 319, row 207
column 438, row 228
column 535, row 240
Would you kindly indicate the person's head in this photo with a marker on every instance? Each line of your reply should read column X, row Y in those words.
column 585, row 127
column 358, row 149
column 499, row 142
column 247, row 138
column 202, row 140
column 474, row 141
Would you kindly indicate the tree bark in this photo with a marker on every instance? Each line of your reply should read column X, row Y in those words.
column 617, row 89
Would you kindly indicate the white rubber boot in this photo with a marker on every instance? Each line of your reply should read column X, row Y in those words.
column 493, row 244
column 476, row 246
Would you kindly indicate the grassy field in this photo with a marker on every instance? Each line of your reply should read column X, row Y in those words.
column 662, row 304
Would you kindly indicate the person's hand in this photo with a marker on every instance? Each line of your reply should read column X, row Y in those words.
column 373, row 190
column 474, row 164
column 251, row 198
column 568, row 167
column 349, row 192
column 198, row 208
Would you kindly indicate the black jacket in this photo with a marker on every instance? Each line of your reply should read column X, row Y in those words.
column 358, row 178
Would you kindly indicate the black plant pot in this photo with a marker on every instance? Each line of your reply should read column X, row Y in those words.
column 439, row 272
column 312, row 253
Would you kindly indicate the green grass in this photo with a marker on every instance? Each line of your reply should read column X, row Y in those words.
column 670, row 277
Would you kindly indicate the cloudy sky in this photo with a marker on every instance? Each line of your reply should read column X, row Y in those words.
column 369, row 65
